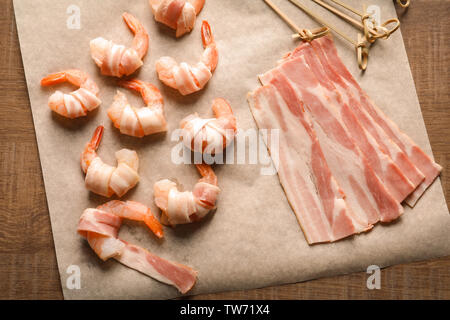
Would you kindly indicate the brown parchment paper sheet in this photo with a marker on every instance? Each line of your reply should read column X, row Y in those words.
column 253, row 239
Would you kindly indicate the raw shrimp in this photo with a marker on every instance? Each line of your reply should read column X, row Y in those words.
column 104, row 179
column 77, row 103
column 177, row 14
column 188, row 206
column 185, row 78
column 138, row 122
column 210, row 135
column 117, row 60
column 100, row 227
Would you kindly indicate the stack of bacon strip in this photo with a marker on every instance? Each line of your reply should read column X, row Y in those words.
column 344, row 165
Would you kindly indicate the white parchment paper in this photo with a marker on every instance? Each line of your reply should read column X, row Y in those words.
column 253, row 239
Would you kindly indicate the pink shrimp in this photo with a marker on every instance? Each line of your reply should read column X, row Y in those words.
column 189, row 79
column 177, row 14
column 138, row 122
column 117, row 60
column 77, row 103
column 136, row 211
column 189, row 206
column 104, row 179
column 210, row 135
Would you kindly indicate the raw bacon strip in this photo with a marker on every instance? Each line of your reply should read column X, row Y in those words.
column 386, row 170
column 100, row 222
column 177, row 275
column 311, row 190
column 384, row 142
column 365, row 193
column 101, row 229
column 418, row 157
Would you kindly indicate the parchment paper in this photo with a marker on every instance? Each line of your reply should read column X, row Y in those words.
column 253, row 239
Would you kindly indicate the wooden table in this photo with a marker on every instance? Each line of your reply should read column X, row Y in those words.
column 28, row 268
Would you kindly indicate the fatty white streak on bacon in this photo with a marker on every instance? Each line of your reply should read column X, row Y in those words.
column 385, row 144
column 365, row 193
column 425, row 165
column 386, row 170
column 311, row 190
column 180, row 276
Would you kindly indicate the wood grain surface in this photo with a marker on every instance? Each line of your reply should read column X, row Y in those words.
column 28, row 267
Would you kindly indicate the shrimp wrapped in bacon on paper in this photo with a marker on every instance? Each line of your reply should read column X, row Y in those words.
column 185, row 207
column 210, row 135
column 77, row 103
column 138, row 122
column 117, row 60
column 179, row 15
column 100, row 227
column 185, row 78
column 104, row 179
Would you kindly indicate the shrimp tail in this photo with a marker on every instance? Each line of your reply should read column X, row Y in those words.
column 136, row 85
column 221, row 108
column 54, row 78
column 89, row 154
column 154, row 225
column 207, row 37
column 210, row 56
column 96, row 137
column 141, row 40
column 73, row 76
column 150, row 93
column 132, row 22
column 207, row 173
